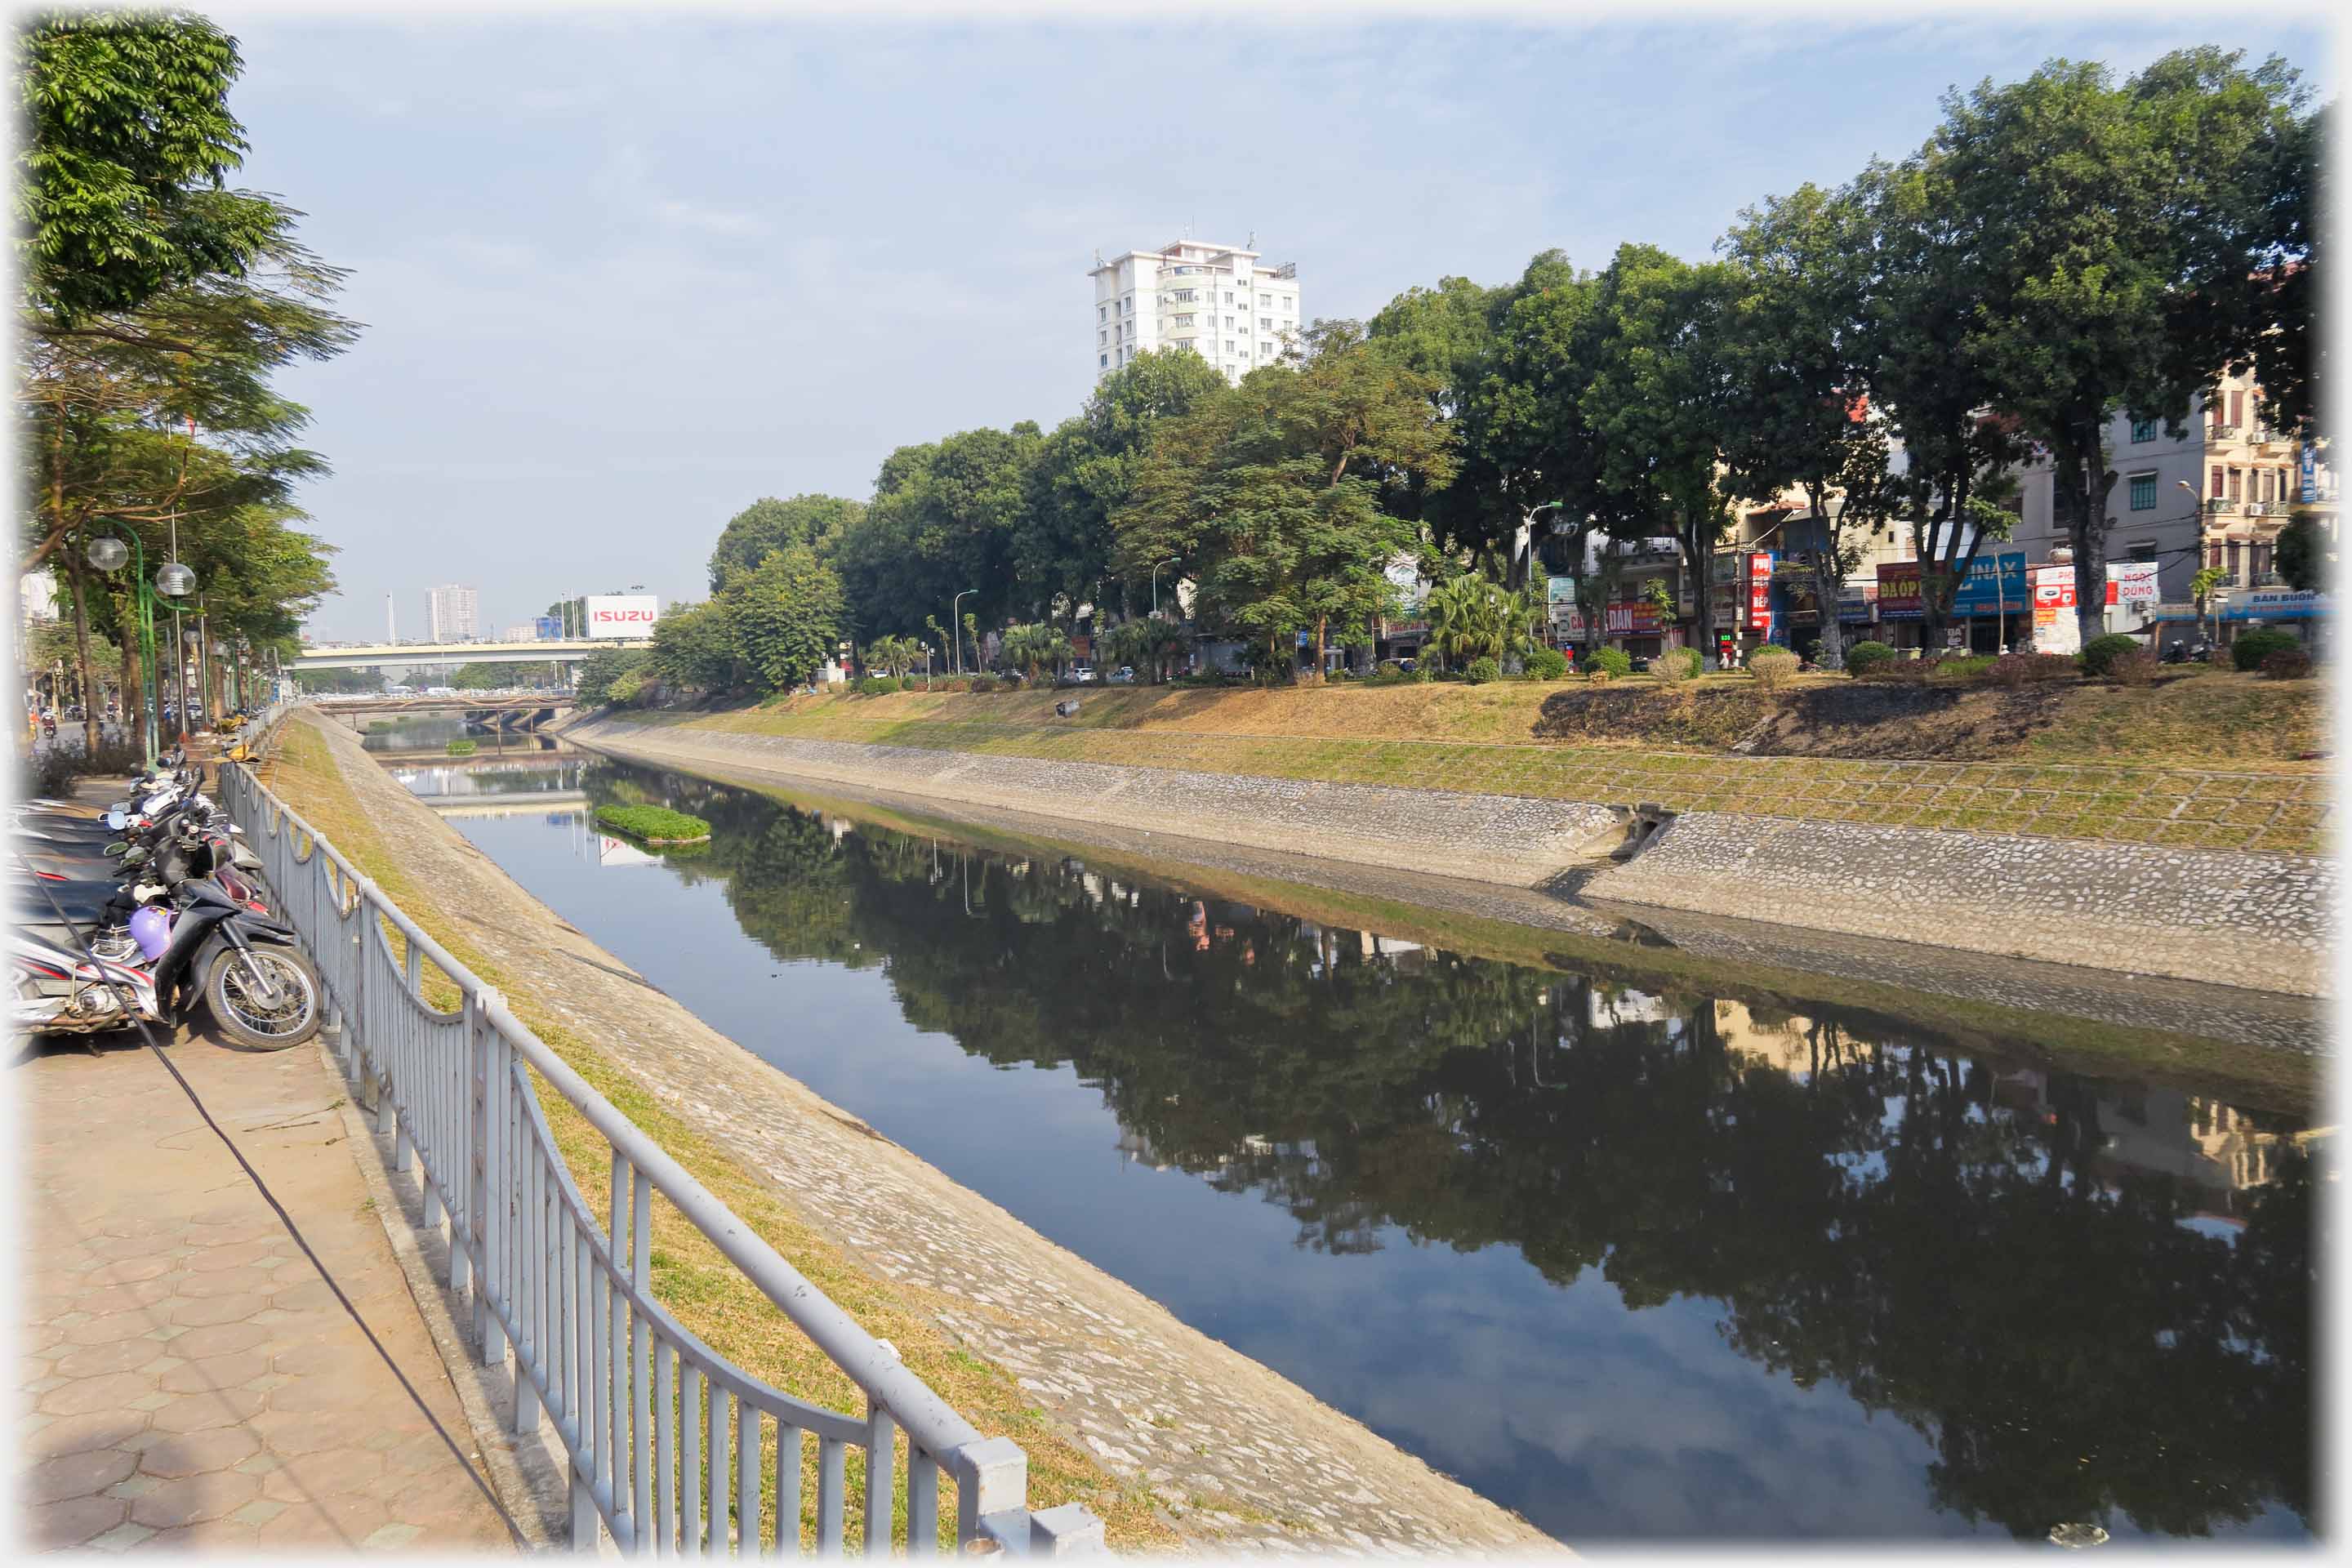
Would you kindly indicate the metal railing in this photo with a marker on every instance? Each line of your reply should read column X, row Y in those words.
column 669, row 1447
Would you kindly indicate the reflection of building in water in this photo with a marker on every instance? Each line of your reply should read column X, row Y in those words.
column 2218, row 1150
column 1795, row 1044
column 1622, row 1004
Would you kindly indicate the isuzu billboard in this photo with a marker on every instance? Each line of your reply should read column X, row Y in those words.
column 622, row 614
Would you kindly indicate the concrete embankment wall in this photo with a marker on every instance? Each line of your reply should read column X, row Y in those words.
column 2239, row 920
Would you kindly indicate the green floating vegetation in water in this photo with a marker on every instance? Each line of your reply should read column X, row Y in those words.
column 462, row 748
column 654, row 823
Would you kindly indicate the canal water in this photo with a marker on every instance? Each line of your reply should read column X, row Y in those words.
column 1643, row 1264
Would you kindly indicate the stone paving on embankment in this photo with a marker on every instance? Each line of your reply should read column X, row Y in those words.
column 2238, row 919
column 1243, row 1459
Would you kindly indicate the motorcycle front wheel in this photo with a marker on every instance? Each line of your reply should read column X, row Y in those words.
column 234, row 992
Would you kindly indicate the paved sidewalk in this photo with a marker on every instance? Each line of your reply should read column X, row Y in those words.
column 189, row 1380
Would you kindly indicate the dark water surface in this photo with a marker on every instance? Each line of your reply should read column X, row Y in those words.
column 1639, row 1265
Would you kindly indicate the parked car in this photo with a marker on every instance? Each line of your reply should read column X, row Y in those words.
column 1123, row 676
column 1083, row 674
column 1641, row 664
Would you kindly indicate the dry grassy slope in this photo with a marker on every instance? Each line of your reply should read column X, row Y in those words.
column 2201, row 761
column 2212, row 718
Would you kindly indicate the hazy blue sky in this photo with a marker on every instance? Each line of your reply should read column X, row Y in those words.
column 622, row 276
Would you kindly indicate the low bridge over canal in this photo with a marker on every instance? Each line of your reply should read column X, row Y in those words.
column 513, row 715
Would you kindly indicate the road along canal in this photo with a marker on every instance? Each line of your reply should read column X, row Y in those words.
column 1640, row 1261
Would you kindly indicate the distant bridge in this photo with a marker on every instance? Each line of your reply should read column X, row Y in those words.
column 375, row 656
column 528, row 803
column 515, row 715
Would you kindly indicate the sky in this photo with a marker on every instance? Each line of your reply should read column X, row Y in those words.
column 624, row 274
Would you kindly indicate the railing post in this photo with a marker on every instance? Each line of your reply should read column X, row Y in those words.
column 489, row 1193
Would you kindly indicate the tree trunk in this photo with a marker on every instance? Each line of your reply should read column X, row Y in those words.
column 2090, row 536
column 1322, row 625
column 81, row 656
column 1701, row 563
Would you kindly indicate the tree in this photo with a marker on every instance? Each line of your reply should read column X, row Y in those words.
column 894, row 656
column 130, row 145
column 1033, row 647
column 1146, row 643
column 1801, row 336
column 695, row 647
column 1663, row 401
column 942, row 521
column 816, row 520
column 2202, row 588
column 600, row 669
column 1062, row 542
column 1276, row 497
column 786, row 614
column 1507, row 363
column 2304, row 560
column 1920, row 281
column 2115, row 230
column 1473, row 617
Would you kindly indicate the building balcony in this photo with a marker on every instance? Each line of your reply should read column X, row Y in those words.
column 2220, row 432
column 2217, row 504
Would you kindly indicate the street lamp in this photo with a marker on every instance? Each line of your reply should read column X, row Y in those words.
column 106, row 553
column 1155, row 587
column 955, row 626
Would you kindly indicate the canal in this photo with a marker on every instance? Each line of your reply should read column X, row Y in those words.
column 1644, row 1264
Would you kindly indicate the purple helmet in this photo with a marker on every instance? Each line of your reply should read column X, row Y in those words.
column 150, row 927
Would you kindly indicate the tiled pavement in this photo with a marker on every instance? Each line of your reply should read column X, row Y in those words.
column 188, row 1380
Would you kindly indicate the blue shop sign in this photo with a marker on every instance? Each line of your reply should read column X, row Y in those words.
column 2276, row 604
column 1984, row 593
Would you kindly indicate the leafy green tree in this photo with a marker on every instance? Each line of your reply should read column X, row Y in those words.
column 2112, row 226
column 895, row 655
column 2304, row 559
column 786, row 614
column 1083, row 471
column 128, row 146
column 942, row 521
column 1146, row 643
column 1663, row 401
column 1473, row 617
column 816, row 520
column 1035, row 648
column 695, row 648
column 1800, row 337
column 1275, row 496
column 600, row 669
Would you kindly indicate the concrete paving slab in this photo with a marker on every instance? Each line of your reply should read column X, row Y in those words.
column 186, row 1378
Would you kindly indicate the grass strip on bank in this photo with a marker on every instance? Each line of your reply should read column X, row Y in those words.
column 2163, row 805
column 691, row 1277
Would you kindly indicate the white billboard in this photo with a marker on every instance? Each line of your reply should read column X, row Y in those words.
column 622, row 614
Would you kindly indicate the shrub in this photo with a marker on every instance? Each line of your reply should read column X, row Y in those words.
column 1773, row 668
column 2015, row 670
column 874, row 686
column 654, row 823
column 463, row 748
column 1958, row 666
column 2251, row 647
column 1615, row 661
column 1481, row 670
column 1546, row 664
column 1866, row 656
column 1599, row 675
column 2136, row 667
column 1389, row 672
column 2287, row 664
column 2099, row 655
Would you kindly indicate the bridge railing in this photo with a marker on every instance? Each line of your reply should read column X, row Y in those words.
column 669, row 1447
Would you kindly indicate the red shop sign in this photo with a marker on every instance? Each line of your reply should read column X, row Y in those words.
column 1759, row 590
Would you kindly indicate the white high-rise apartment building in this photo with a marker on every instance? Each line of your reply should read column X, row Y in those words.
column 450, row 614
column 1215, row 300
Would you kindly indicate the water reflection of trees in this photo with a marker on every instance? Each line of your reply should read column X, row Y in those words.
column 1870, row 1210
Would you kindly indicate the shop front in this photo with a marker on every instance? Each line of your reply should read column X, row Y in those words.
column 1898, row 603
column 1993, row 607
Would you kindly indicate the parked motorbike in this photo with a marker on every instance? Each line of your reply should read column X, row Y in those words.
column 144, row 912
column 155, row 954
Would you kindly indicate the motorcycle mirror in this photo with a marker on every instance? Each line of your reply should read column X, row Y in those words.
column 117, row 820
column 117, row 847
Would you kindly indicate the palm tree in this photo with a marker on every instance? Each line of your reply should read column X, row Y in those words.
column 1033, row 647
column 1463, row 624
